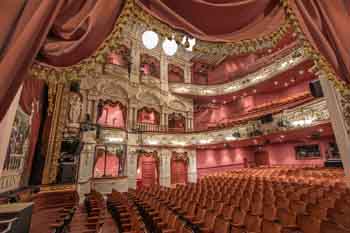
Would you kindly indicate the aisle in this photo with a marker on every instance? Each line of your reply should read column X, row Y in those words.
column 109, row 226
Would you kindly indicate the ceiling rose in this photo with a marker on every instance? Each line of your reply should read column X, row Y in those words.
column 150, row 39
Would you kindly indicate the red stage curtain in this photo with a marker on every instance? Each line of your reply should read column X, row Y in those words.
column 29, row 34
column 77, row 28
column 217, row 21
column 32, row 99
column 326, row 25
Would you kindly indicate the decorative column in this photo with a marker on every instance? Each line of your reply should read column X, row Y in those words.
column 164, row 117
column 165, row 169
column 131, row 167
column 86, row 165
column 339, row 109
column 135, row 61
column 163, row 72
column 192, row 166
column 135, row 116
column 130, row 117
column 94, row 110
column 187, row 73
column 85, row 109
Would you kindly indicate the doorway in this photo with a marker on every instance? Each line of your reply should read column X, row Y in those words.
column 147, row 170
column 262, row 158
column 179, row 167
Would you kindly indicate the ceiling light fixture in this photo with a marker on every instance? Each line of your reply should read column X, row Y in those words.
column 188, row 43
column 169, row 47
column 150, row 39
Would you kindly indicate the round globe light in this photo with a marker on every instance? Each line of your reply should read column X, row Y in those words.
column 150, row 39
column 169, row 47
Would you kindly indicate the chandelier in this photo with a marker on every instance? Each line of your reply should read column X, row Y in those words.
column 150, row 40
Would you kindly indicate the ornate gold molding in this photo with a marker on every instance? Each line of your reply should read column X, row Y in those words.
column 345, row 104
column 322, row 65
column 57, row 126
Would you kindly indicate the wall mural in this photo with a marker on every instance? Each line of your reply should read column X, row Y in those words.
column 17, row 151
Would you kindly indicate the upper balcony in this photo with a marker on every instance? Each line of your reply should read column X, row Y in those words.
column 265, row 73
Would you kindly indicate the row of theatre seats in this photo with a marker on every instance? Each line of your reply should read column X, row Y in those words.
column 272, row 200
column 53, row 211
column 59, row 212
column 283, row 101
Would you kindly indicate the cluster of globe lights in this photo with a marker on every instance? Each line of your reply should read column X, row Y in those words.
column 150, row 40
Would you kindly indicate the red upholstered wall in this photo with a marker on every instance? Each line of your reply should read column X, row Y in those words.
column 225, row 71
column 284, row 154
column 216, row 160
column 219, row 160
column 286, row 92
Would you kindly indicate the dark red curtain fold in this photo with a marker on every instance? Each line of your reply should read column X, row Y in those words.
column 31, row 31
column 326, row 24
column 229, row 20
column 66, row 31
column 78, row 30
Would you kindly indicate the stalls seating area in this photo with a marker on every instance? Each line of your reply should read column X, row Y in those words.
column 260, row 200
column 125, row 213
column 95, row 208
column 53, row 211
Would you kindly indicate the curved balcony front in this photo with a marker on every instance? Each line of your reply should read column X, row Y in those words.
column 305, row 116
column 263, row 74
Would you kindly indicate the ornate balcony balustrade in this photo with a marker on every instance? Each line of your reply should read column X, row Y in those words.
column 281, row 65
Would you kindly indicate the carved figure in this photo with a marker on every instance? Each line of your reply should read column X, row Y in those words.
column 74, row 108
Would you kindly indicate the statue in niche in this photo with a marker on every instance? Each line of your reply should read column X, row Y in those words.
column 74, row 109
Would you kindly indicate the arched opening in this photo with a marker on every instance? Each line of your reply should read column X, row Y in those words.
column 148, row 116
column 179, row 167
column 176, row 122
column 106, row 164
column 111, row 114
column 147, row 169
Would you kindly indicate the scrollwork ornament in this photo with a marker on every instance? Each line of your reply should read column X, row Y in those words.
column 345, row 103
